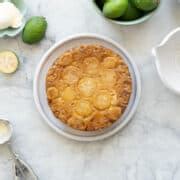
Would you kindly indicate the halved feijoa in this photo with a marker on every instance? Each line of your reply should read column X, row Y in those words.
column 8, row 62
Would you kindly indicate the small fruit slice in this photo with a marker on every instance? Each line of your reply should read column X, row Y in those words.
column 8, row 62
column 110, row 62
column 91, row 65
column 108, row 77
column 68, row 94
column 102, row 100
column 83, row 108
column 71, row 74
column 52, row 93
column 115, row 8
column 87, row 86
column 34, row 30
column 131, row 13
column 146, row 5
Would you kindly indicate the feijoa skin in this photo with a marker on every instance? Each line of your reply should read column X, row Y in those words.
column 115, row 8
column 131, row 13
column 9, row 62
column 146, row 5
column 34, row 30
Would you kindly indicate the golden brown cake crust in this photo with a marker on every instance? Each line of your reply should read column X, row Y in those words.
column 88, row 87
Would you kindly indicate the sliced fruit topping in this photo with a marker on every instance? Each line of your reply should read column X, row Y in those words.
column 87, row 86
column 108, row 77
column 68, row 94
column 71, row 74
column 83, row 108
column 52, row 93
column 91, row 65
column 102, row 100
column 110, row 62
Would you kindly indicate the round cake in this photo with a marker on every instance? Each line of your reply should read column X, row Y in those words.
column 88, row 87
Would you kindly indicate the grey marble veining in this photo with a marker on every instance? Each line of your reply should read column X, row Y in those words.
column 147, row 149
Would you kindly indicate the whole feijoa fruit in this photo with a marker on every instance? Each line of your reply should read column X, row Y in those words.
column 131, row 13
column 146, row 5
column 34, row 30
column 115, row 8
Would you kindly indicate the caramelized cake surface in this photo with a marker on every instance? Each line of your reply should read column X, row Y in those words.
column 88, row 87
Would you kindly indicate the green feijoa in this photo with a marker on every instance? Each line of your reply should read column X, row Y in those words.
column 34, row 30
column 100, row 3
column 146, row 5
column 115, row 8
column 131, row 13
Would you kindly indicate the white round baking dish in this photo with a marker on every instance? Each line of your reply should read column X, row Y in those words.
column 40, row 87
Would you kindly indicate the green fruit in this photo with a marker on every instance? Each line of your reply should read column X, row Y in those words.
column 146, row 5
column 8, row 62
column 34, row 30
column 115, row 8
column 131, row 13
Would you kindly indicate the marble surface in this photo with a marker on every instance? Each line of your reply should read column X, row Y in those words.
column 147, row 149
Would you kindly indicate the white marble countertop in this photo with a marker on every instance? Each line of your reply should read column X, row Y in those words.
column 147, row 149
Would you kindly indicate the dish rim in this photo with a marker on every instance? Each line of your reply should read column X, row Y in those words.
column 77, row 137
